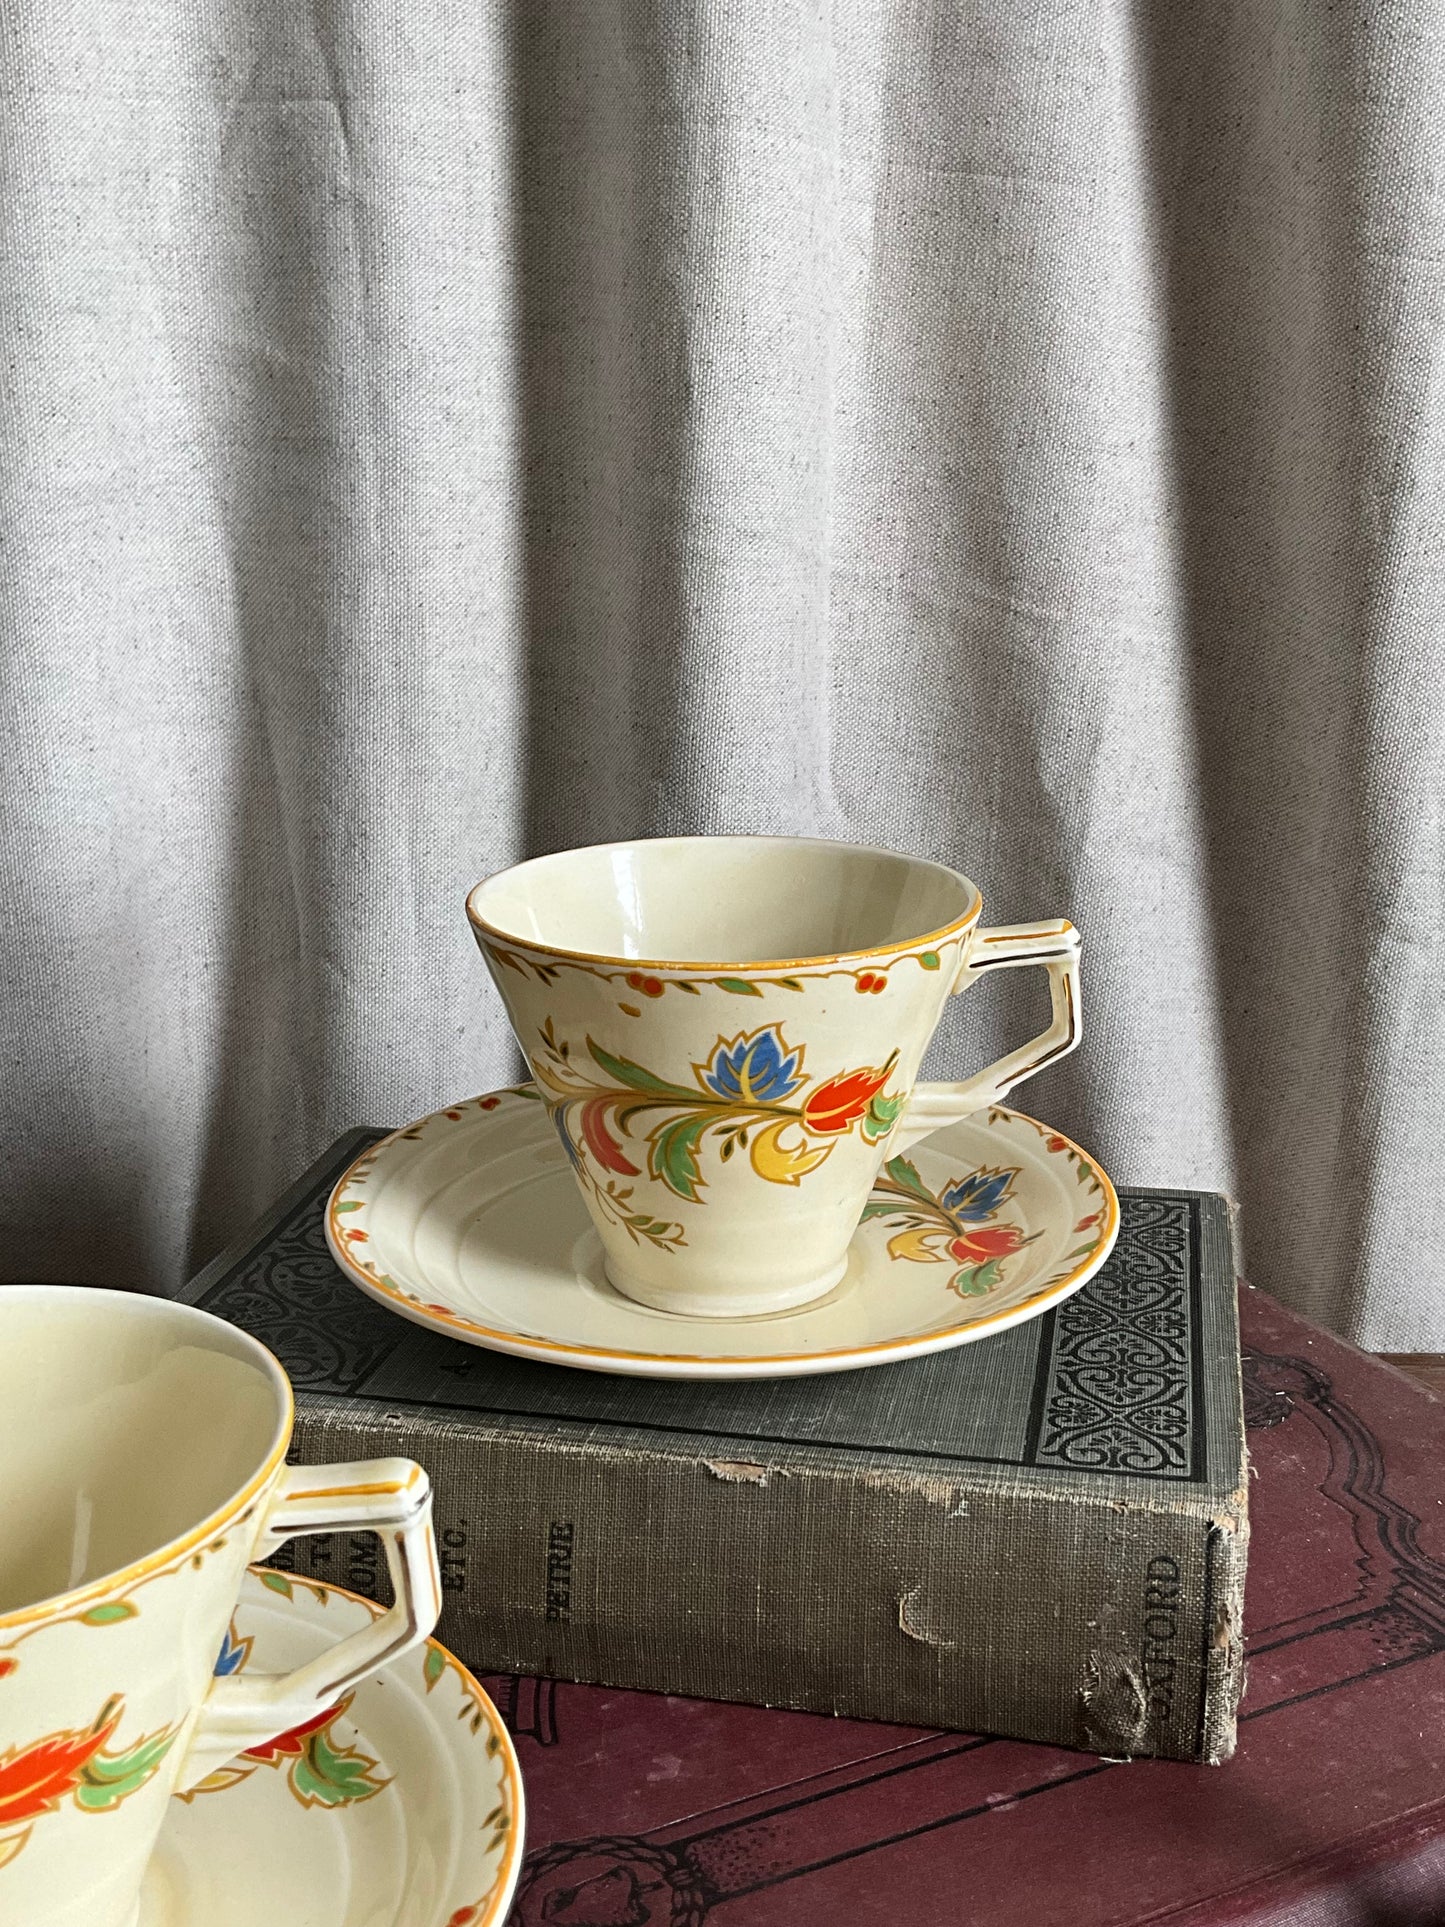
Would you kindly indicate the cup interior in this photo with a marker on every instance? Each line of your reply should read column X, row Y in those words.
column 125, row 1423
column 730, row 900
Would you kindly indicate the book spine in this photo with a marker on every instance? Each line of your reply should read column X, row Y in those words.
column 969, row 1605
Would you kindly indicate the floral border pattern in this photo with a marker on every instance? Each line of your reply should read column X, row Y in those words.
column 868, row 979
column 475, row 1710
column 1098, row 1225
column 121, row 1607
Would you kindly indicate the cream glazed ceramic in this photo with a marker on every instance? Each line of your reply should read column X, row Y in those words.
column 142, row 1466
column 727, row 1032
column 399, row 1806
column 469, row 1222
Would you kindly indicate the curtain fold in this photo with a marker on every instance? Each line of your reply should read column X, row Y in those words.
column 433, row 436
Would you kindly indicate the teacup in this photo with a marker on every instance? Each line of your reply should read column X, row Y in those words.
column 727, row 1032
column 142, row 1467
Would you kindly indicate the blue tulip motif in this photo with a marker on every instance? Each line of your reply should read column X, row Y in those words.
column 974, row 1199
column 233, row 1654
column 753, row 1069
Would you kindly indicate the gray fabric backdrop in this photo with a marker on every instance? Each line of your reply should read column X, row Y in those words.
column 439, row 433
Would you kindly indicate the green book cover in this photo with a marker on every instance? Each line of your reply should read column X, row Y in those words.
column 1042, row 1534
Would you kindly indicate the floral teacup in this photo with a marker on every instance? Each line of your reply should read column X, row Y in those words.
column 142, row 1467
column 727, row 1032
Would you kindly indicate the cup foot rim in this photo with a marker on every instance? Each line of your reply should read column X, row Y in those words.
column 725, row 1302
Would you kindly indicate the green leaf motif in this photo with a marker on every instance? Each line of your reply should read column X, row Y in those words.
column 110, row 1614
column 434, row 1666
column 500, row 1821
column 905, row 1174
column 672, row 1155
column 929, row 960
column 881, row 1116
column 333, row 1776
column 888, row 1208
column 278, row 1582
column 975, row 1281
column 788, row 983
column 351, row 1204
column 108, row 1778
column 1083, row 1251
column 738, row 986
column 634, row 1076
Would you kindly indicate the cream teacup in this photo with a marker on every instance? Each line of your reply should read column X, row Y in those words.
column 142, row 1468
column 727, row 1032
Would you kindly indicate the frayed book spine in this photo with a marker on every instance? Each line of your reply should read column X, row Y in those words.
column 968, row 1604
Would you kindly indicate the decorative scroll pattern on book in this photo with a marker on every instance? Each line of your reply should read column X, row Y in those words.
column 327, row 1333
column 1118, row 1381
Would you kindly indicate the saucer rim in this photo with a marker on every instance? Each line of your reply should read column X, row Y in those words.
column 614, row 1359
column 503, row 1892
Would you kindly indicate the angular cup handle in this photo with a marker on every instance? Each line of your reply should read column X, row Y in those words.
column 1055, row 946
column 391, row 1497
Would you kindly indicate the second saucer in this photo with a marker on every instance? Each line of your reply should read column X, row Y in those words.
column 399, row 1806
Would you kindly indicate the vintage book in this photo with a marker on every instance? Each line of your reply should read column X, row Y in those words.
column 680, row 1812
column 1040, row 1535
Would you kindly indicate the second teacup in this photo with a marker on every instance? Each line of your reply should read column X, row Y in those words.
column 727, row 1032
column 142, row 1467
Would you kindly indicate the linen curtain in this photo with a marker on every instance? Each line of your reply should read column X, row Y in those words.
column 440, row 433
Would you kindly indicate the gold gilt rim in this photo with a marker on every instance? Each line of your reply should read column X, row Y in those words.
column 929, row 940
column 441, row 1319
column 66, row 1605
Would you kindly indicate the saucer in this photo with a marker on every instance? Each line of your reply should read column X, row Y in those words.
column 400, row 1808
column 470, row 1222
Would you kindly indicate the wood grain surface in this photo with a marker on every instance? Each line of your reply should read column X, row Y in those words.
column 1426, row 1368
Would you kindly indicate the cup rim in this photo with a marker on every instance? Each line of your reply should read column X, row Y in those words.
column 63, row 1604
column 931, row 938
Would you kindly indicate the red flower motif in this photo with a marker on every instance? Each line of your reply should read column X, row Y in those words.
column 1087, row 1224
column 869, row 980
column 462, row 1917
column 1055, row 1144
column 35, row 1779
column 7, row 1666
column 293, row 1744
column 986, row 1241
column 599, row 1140
column 488, row 1103
column 837, row 1105
column 649, row 986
